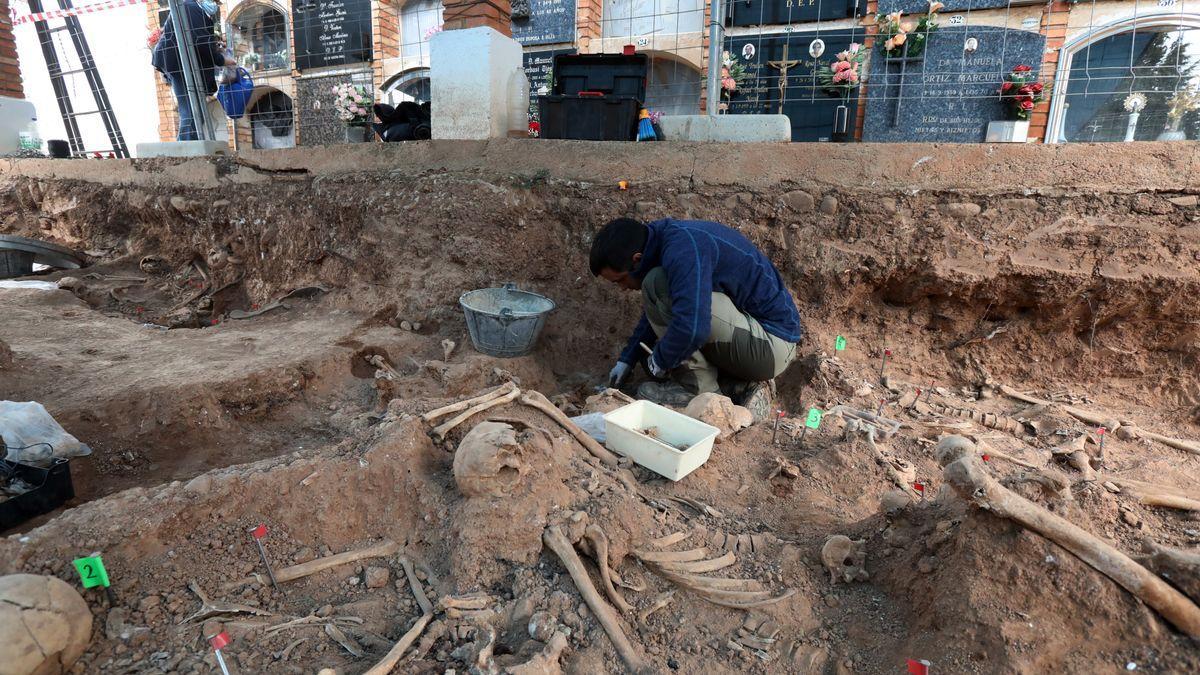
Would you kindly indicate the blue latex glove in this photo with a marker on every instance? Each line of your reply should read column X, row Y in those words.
column 619, row 373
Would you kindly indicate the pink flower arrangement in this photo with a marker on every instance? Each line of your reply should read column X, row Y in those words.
column 844, row 74
column 430, row 32
column 352, row 103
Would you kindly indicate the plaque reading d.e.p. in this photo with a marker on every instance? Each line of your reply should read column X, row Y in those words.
column 773, row 75
column 549, row 22
column 784, row 12
column 331, row 32
column 949, row 94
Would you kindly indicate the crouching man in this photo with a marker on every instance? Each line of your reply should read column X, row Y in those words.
column 716, row 316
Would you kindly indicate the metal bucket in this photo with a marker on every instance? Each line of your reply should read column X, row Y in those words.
column 15, row 264
column 505, row 322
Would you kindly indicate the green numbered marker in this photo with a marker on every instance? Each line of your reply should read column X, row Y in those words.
column 814, row 418
column 91, row 571
column 839, row 344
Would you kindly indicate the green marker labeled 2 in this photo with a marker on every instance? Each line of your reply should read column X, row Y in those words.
column 91, row 571
column 839, row 344
column 813, row 420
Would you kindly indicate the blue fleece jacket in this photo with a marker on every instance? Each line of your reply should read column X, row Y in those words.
column 702, row 258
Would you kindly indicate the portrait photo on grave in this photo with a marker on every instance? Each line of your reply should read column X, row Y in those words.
column 781, row 77
column 949, row 95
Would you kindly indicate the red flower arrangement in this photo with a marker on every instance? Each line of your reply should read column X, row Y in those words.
column 1021, row 91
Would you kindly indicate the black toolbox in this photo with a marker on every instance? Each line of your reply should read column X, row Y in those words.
column 52, row 488
column 596, row 97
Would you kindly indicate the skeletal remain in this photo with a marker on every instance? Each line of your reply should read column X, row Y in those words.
column 743, row 543
column 557, row 542
column 488, row 461
column 683, row 568
column 901, row 473
column 989, row 420
column 600, row 545
column 209, row 609
column 344, row 640
column 1092, row 418
column 886, row 427
column 467, row 601
column 287, row 651
column 1142, row 487
column 845, row 559
column 1170, row 501
column 314, row 621
column 546, row 662
column 536, row 400
column 1182, row 568
column 503, row 389
column 670, row 539
column 448, row 349
column 384, row 370
column 1053, row 483
column 701, row 507
column 380, row 550
column 783, row 468
column 393, row 656
column 660, row 602
column 440, row 431
column 971, row 481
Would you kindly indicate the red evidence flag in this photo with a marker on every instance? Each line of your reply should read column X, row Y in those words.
column 918, row 667
column 221, row 639
column 259, row 532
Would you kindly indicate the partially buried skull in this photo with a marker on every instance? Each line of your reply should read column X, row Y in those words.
column 488, row 461
column 845, row 559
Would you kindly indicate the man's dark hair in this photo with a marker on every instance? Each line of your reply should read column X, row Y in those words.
column 616, row 243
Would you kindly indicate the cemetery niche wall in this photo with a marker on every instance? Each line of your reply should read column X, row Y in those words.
column 948, row 94
column 331, row 32
column 776, row 82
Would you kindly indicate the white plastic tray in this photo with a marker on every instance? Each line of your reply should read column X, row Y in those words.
column 624, row 426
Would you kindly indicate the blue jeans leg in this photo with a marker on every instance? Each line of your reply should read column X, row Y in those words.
column 187, row 123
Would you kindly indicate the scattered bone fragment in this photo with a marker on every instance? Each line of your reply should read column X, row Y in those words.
column 380, row 550
column 448, row 346
column 1181, row 568
column 544, row 663
column 503, row 389
column 660, row 602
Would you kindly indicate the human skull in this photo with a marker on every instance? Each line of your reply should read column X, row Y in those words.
column 488, row 462
column 45, row 623
column 845, row 559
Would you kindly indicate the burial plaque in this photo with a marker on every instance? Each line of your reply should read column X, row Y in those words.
column 811, row 110
column 948, row 95
column 549, row 22
column 539, row 67
column 331, row 32
column 783, row 12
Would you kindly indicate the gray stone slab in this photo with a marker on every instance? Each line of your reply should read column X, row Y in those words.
column 727, row 128
column 948, row 95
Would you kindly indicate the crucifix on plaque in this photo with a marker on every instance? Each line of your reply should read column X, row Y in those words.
column 783, row 65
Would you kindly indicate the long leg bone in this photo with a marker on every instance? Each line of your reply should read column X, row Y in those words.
column 463, row 405
column 445, row 428
column 972, row 482
column 600, row 546
column 380, row 550
column 535, row 399
column 557, row 542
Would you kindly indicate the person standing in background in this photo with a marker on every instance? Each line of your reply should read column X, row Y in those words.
column 201, row 16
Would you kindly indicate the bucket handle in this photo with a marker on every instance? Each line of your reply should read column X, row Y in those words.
column 506, row 316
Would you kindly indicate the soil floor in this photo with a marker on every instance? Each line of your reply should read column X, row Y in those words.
column 208, row 416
